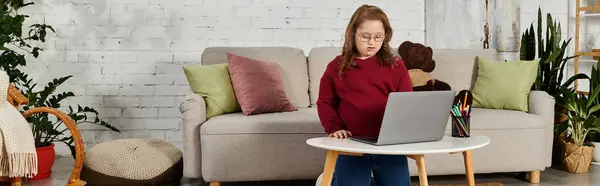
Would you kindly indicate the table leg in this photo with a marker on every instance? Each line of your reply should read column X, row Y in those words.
column 330, row 161
column 468, row 158
column 420, row 159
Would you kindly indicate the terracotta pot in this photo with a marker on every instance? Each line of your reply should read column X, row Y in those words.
column 560, row 118
column 46, row 156
column 577, row 159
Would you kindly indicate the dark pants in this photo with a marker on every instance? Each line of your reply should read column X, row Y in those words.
column 388, row 170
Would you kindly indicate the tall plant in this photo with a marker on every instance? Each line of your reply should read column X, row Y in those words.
column 15, row 45
column 550, row 52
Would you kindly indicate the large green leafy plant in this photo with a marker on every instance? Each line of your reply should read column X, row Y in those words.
column 14, row 47
column 551, row 53
column 583, row 111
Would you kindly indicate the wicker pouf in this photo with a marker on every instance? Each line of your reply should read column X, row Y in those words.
column 133, row 162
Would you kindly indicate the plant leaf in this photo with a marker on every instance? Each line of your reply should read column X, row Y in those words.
column 593, row 96
column 575, row 77
column 561, row 128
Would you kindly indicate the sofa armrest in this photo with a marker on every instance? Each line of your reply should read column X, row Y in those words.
column 542, row 104
column 193, row 110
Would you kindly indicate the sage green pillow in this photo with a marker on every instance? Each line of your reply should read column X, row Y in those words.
column 213, row 83
column 504, row 85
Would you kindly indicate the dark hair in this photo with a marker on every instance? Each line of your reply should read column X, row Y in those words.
column 349, row 51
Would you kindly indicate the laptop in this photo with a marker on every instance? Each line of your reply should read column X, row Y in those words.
column 412, row 117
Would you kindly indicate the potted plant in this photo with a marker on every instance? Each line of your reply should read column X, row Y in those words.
column 47, row 129
column 582, row 113
column 551, row 54
column 582, row 119
column 14, row 45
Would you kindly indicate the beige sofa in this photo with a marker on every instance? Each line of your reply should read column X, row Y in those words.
column 234, row 147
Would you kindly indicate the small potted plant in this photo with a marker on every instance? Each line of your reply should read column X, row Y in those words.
column 581, row 109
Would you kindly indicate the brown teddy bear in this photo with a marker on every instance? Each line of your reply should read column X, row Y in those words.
column 418, row 60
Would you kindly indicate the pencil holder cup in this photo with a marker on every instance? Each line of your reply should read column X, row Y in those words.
column 461, row 126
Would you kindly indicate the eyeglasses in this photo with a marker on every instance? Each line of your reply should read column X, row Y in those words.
column 366, row 38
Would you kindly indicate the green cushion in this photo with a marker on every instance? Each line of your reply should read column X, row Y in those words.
column 212, row 82
column 504, row 85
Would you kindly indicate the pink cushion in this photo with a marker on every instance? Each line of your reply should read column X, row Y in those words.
column 257, row 85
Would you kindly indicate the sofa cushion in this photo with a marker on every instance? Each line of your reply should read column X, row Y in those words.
column 504, row 85
column 304, row 120
column 258, row 86
column 291, row 61
column 493, row 119
column 213, row 83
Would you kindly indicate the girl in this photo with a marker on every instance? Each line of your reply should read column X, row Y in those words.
column 353, row 94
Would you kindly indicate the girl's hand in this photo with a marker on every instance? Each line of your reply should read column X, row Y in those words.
column 340, row 134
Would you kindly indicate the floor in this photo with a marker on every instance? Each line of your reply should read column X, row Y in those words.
column 550, row 177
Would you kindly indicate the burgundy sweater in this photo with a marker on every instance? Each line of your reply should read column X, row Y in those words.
column 356, row 101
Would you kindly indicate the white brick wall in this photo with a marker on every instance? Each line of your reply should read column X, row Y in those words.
column 126, row 55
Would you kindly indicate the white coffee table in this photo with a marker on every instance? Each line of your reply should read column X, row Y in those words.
column 414, row 151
